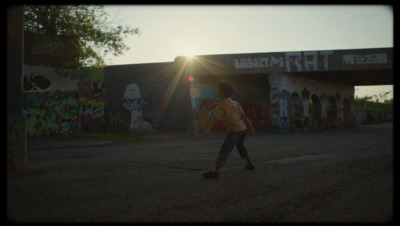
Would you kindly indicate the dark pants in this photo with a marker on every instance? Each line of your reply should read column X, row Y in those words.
column 232, row 139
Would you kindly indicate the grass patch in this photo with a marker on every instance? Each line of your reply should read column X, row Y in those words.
column 374, row 106
column 370, row 107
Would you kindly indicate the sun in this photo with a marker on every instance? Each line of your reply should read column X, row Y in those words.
column 189, row 53
column 190, row 56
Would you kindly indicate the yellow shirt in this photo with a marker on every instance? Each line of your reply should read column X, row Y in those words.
column 230, row 112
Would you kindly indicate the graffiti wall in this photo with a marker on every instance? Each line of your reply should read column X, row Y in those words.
column 283, row 103
column 302, row 104
column 288, row 61
column 91, row 105
column 363, row 117
column 55, row 105
column 204, row 100
column 146, row 98
column 252, row 97
column 279, row 101
column 55, row 114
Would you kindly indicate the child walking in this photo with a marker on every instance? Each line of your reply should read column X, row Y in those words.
column 232, row 115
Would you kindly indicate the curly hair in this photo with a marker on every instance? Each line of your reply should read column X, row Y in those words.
column 225, row 88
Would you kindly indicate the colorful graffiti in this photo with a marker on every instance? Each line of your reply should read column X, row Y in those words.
column 203, row 115
column 300, row 111
column 307, row 113
column 317, row 106
column 204, row 100
column 54, row 115
column 91, row 105
column 258, row 112
column 55, row 105
column 296, row 112
column 279, row 110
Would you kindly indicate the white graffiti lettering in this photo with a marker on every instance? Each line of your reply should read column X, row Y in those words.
column 292, row 61
column 378, row 58
column 293, row 58
column 325, row 55
column 273, row 61
column 310, row 59
column 261, row 62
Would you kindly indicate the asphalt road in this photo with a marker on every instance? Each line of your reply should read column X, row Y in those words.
column 330, row 176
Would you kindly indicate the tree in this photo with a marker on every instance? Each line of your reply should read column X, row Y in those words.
column 384, row 95
column 71, row 36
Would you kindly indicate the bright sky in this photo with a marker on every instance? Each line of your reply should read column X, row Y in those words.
column 168, row 31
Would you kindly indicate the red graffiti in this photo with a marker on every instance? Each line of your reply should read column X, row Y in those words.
column 258, row 113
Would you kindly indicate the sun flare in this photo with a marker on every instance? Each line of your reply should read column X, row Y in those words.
column 190, row 56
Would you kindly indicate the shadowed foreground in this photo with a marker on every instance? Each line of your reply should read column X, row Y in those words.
column 331, row 176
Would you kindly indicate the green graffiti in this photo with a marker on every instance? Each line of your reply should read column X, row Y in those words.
column 33, row 100
column 55, row 115
column 118, row 120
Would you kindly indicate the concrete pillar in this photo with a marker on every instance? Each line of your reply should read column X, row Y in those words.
column 16, row 123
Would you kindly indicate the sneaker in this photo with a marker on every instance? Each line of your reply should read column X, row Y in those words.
column 211, row 175
column 250, row 167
